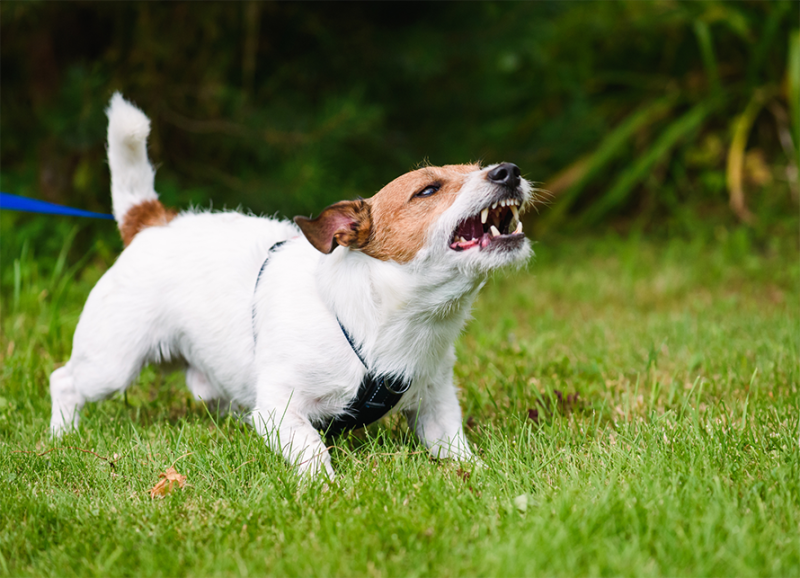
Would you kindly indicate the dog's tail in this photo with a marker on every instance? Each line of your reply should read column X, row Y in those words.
column 133, row 196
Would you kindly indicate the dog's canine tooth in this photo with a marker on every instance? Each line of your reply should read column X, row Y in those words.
column 484, row 215
column 494, row 232
column 515, row 212
column 519, row 228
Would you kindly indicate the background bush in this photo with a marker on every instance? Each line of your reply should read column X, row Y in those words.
column 656, row 115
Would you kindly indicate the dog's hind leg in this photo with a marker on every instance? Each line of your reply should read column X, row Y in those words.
column 109, row 349
column 202, row 390
column 85, row 379
column 198, row 384
column 67, row 402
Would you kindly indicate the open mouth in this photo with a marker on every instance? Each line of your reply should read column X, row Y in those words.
column 497, row 223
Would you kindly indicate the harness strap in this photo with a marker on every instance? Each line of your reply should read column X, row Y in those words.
column 357, row 350
column 272, row 249
column 376, row 395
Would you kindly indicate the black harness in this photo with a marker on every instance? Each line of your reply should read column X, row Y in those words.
column 376, row 395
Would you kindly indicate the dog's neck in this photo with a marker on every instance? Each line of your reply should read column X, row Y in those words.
column 403, row 317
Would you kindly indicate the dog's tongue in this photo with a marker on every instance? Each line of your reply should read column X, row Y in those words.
column 483, row 241
column 473, row 234
column 471, row 229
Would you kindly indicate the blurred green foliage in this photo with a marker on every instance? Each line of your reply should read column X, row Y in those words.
column 628, row 112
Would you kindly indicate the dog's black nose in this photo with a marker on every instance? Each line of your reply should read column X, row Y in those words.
column 505, row 174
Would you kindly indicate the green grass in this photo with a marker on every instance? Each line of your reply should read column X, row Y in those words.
column 681, row 455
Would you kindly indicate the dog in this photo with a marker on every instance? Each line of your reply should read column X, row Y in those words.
column 321, row 323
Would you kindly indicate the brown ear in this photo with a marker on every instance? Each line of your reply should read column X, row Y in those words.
column 345, row 223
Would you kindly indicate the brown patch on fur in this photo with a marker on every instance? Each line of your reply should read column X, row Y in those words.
column 393, row 224
column 400, row 220
column 143, row 215
column 346, row 223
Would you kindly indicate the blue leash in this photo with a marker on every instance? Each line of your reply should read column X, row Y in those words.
column 10, row 202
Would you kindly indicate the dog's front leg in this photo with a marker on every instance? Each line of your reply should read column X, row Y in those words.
column 292, row 435
column 436, row 419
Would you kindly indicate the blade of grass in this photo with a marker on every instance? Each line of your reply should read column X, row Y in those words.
column 626, row 182
column 62, row 255
column 17, row 284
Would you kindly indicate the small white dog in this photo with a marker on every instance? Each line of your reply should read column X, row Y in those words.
column 323, row 325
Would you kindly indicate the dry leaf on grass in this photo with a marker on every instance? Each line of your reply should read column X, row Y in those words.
column 167, row 483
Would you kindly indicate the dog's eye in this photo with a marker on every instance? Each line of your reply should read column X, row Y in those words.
column 428, row 191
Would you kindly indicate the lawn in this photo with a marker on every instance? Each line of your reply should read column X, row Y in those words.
column 635, row 402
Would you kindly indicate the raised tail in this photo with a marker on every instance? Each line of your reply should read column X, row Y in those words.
column 133, row 196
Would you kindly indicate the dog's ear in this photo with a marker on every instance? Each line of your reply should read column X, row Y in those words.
column 346, row 223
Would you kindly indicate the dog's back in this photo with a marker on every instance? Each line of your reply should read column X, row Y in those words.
column 180, row 289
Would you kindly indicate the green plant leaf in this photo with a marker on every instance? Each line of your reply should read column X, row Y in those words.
column 610, row 148
column 793, row 81
column 768, row 34
column 741, row 130
column 703, row 33
column 626, row 182
column 729, row 16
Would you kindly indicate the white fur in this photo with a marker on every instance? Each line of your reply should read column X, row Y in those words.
column 132, row 177
column 188, row 290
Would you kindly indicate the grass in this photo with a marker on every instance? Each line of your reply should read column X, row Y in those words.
column 680, row 454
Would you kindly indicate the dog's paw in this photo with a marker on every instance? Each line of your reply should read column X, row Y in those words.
column 477, row 463
column 62, row 423
column 317, row 468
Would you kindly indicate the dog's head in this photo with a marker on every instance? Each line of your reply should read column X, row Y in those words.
column 463, row 215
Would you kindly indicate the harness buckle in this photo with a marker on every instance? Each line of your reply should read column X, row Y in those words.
column 389, row 383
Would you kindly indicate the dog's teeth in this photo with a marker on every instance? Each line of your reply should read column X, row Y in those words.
column 484, row 215
column 462, row 240
column 515, row 212
column 519, row 228
column 494, row 206
column 493, row 230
